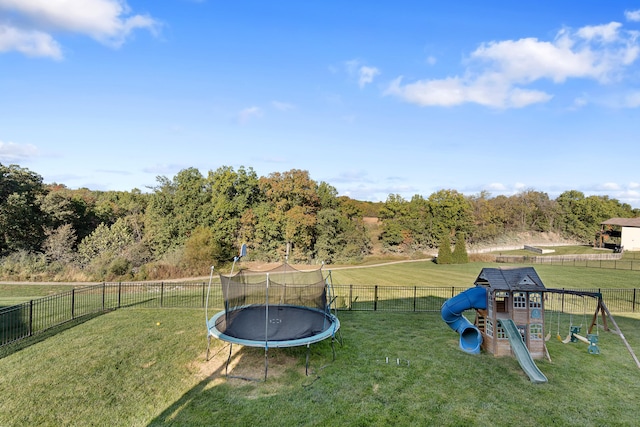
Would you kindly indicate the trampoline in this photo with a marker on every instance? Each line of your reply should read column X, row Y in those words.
column 282, row 307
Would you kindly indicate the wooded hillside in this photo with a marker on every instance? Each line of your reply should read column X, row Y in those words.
column 189, row 222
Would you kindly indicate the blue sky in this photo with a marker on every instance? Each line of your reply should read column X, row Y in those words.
column 375, row 98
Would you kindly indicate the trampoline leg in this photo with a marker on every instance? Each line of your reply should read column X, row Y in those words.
column 266, row 363
column 226, row 367
column 208, row 345
column 306, row 366
column 333, row 348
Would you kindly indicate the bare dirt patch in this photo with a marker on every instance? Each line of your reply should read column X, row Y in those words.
column 247, row 365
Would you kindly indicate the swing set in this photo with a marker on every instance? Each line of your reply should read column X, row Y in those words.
column 568, row 301
column 574, row 329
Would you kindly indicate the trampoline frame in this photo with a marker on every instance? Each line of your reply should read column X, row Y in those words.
column 329, row 332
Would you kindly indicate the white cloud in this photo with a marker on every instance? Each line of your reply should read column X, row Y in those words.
column 366, row 75
column 632, row 15
column 609, row 186
column 580, row 101
column 454, row 91
column 496, row 186
column 29, row 42
column 624, row 193
column 632, row 100
column 12, row 152
column 519, row 186
column 607, row 33
column 108, row 21
column 249, row 113
column 499, row 73
column 363, row 73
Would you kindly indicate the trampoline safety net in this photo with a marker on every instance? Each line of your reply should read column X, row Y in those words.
column 292, row 302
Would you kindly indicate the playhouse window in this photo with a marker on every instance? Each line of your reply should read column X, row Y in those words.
column 500, row 334
column 489, row 328
column 535, row 331
column 501, row 301
column 523, row 332
column 535, row 300
column 519, row 300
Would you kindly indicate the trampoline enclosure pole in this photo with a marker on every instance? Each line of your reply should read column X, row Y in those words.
column 266, row 330
column 266, row 313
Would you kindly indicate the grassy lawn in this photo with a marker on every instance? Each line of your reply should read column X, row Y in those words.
column 17, row 294
column 123, row 369
column 146, row 366
column 558, row 250
column 426, row 273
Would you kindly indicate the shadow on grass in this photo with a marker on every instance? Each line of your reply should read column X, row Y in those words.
column 204, row 403
column 23, row 343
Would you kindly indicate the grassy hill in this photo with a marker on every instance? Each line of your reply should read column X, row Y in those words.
column 140, row 367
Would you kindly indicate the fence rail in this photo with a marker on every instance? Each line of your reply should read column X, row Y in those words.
column 597, row 261
column 24, row 320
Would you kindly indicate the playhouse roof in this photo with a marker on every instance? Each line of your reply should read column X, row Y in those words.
column 511, row 279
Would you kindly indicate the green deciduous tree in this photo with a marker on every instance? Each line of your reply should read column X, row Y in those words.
column 103, row 246
column 232, row 194
column 202, row 250
column 59, row 244
column 292, row 203
column 451, row 212
column 21, row 219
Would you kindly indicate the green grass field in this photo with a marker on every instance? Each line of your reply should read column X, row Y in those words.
column 144, row 366
column 16, row 294
column 426, row 273
column 123, row 369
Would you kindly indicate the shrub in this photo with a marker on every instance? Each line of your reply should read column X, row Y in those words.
column 120, row 267
column 444, row 251
column 460, row 255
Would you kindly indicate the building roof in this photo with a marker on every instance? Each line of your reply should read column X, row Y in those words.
column 623, row 222
column 511, row 279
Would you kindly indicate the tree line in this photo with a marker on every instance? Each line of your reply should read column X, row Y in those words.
column 188, row 222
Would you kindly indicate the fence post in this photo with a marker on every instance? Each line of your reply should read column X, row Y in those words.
column 350, row 297
column 633, row 307
column 119, row 293
column 73, row 303
column 203, row 294
column 415, row 296
column 104, row 290
column 375, row 298
column 161, row 292
column 30, row 317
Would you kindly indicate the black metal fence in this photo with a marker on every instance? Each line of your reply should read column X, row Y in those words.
column 27, row 319
column 572, row 261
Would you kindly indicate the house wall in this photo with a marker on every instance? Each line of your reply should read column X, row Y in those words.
column 630, row 239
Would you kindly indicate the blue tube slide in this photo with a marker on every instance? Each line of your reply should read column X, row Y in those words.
column 452, row 309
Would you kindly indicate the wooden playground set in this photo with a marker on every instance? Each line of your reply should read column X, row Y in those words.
column 515, row 313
